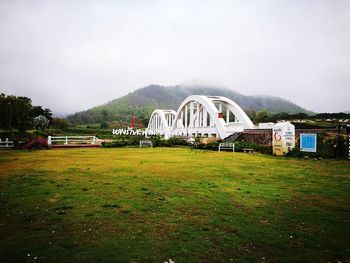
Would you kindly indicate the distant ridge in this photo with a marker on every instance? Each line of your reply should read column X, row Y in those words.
column 142, row 102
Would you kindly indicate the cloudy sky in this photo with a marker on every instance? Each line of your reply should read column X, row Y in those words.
column 71, row 55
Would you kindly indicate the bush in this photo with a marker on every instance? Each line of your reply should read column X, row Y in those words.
column 39, row 134
column 239, row 146
column 59, row 123
column 39, row 144
column 327, row 147
column 124, row 141
column 157, row 141
column 171, row 142
column 175, row 141
column 116, row 144
column 209, row 146
column 104, row 125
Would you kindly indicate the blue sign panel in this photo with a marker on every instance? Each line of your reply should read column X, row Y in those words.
column 308, row 142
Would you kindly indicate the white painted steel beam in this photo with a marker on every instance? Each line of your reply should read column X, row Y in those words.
column 192, row 118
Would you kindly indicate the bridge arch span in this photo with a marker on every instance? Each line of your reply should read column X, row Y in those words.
column 198, row 115
column 161, row 121
column 210, row 116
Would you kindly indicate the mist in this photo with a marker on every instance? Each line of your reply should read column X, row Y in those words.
column 72, row 55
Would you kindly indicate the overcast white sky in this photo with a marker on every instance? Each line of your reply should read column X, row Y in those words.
column 71, row 55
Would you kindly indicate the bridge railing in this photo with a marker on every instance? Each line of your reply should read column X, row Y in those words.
column 6, row 143
column 73, row 140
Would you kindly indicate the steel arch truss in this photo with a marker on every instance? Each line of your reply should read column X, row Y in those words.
column 210, row 116
column 161, row 122
column 206, row 116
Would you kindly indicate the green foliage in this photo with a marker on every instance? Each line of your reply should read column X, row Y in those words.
column 209, row 146
column 262, row 116
column 331, row 147
column 313, row 125
column 124, row 141
column 240, row 145
column 340, row 115
column 15, row 113
column 251, row 114
column 142, row 102
column 59, row 123
column 127, row 141
column 175, row 141
column 40, row 122
column 171, row 142
column 104, row 125
column 38, row 110
column 327, row 147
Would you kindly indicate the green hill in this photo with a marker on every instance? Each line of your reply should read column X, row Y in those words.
column 142, row 102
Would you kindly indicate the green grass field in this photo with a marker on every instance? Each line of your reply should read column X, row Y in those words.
column 149, row 205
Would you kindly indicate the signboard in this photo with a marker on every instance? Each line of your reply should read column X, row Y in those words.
column 283, row 138
column 308, row 142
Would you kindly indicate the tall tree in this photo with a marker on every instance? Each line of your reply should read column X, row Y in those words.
column 262, row 115
column 40, row 122
column 59, row 123
column 38, row 110
column 15, row 113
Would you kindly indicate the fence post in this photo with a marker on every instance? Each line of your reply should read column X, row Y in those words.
column 7, row 142
column 49, row 140
column 93, row 140
column 66, row 140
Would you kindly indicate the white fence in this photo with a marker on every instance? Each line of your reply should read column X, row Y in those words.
column 73, row 140
column 227, row 145
column 6, row 144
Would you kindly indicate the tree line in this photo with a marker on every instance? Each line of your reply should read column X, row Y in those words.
column 265, row 116
column 18, row 114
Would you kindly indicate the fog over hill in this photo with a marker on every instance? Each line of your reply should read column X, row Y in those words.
column 142, row 102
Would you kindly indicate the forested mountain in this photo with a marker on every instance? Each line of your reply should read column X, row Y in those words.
column 142, row 102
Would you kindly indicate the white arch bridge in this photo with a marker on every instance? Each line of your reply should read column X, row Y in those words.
column 206, row 116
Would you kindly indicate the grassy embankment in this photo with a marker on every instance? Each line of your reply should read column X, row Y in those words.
column 148, row 205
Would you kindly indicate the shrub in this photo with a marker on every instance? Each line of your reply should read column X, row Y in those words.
column 327, row 147
column 157, row 141
column 209, row 146
column 239, row 146
column 39, row 144
column 175, row 141
column 59, row 123
column 104, row 125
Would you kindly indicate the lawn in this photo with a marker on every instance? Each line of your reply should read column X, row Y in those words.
column 151, row 205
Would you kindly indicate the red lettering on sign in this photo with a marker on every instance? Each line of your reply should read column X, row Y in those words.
column 277, row 136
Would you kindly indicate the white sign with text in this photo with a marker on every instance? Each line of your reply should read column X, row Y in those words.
column 283, row 138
